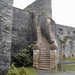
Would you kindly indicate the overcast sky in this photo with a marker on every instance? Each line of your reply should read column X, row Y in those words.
column 63, row 11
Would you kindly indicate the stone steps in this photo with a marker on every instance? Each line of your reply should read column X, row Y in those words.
column 45, row 65
column 47, row 57
column 44, row 55
column 44, row 61
column 42, row 68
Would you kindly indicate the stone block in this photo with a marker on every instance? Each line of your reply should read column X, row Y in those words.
column 53, row 59
column 6, row 15
column 35, row 58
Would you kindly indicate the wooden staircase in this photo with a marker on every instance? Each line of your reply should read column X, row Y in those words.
column 44, row 60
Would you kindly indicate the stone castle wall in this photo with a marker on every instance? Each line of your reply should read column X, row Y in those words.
column 42, row 7
column 23, row 29
column 6, row 14
column 68, row 33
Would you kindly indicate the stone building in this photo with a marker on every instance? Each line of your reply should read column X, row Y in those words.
column 28, row 28
column 33, row 25
column 25, row 31
column 67, row 35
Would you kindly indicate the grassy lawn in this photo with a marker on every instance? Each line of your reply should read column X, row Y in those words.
column 69, row 67
column 67, row 58
column 21, row 71
column 30, row 71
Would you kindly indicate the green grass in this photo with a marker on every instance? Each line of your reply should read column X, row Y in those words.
column 67, row 58
column 29, row 70
column 69, row 67
column 54, row 71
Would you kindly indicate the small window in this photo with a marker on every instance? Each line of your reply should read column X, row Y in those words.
column 73, row 32
column 68, row 32
column 61, row 31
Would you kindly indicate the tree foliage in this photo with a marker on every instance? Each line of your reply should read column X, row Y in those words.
column 24, row 57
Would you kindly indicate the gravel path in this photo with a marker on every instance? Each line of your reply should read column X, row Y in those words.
column 67, row 61
column 40, row 72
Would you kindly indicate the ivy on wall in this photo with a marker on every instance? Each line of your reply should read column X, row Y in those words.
column 63, row 40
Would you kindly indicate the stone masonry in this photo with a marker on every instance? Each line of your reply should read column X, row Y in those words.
column 23, row 30
column 42, row 55
column 68, row 47
column 6, row 15
column 42, row 7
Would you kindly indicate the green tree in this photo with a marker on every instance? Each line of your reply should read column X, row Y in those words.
column 24, row 57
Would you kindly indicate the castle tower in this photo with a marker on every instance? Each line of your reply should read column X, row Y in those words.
column 42, row 7
column 6, row 7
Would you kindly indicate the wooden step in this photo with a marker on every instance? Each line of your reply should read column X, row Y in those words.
column 46, row 66
column 45, row 49
column 45, row 55
column 45, row 52
column 44, row 62
column 44, row 59
column 40, row 68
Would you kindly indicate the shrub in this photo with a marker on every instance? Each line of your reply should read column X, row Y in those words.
column 23, row 71
column 13, row 71
column 28, row 9
column 63, row 41
column 24, row 57
column 43, row 12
